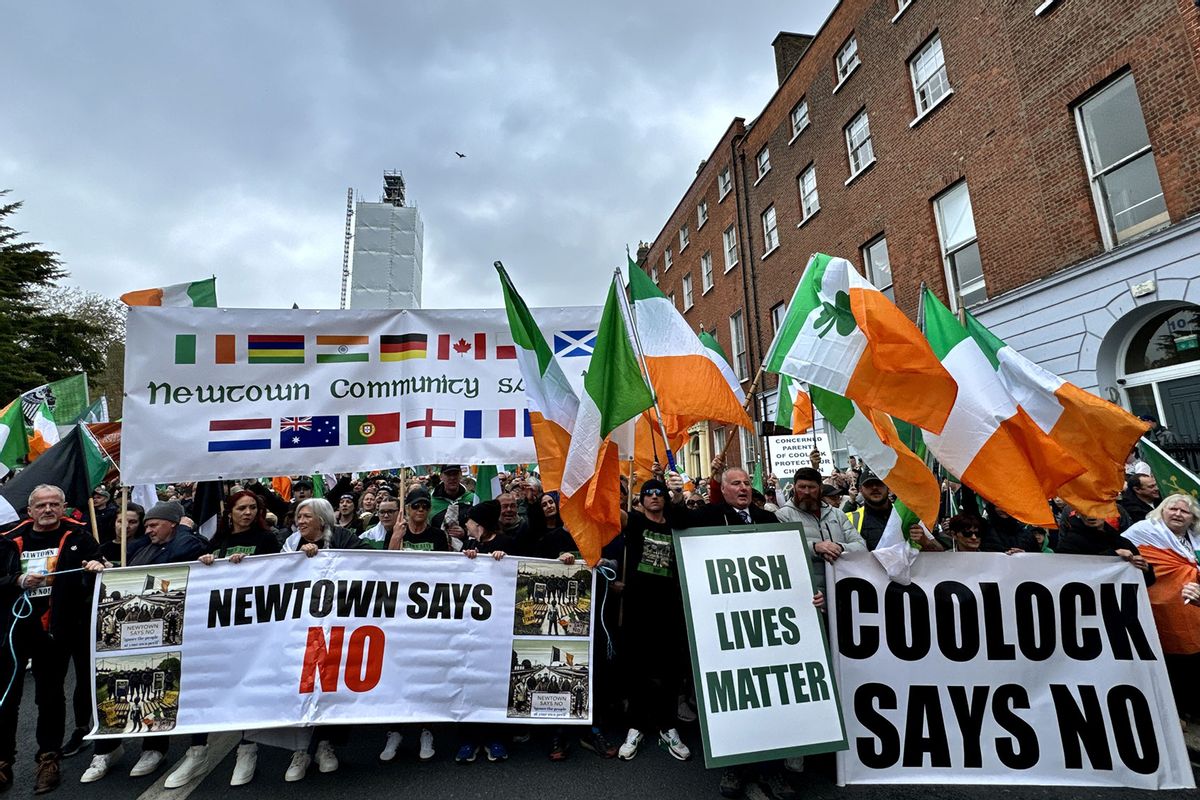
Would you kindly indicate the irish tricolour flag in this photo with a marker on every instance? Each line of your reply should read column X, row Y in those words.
column 844, row 335
column 197, row 294
column 1095, row 432
column 989, row 441
column 793, row 409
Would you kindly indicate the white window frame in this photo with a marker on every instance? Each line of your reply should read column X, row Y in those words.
column 763, row 162
column 860, row 153
column 901, row 7
column 706, row 272
column 724, row 184
column 701, row 214
column 749, row 451
column 673, row 303
column 685, row 237
column 800, row 122
column 870, row 268
column 667, row 260
column 737, row 345
column 930, row 92
column 807, row 209
column 778, row 315
column 954, row 290
column 770, row 225
column 846, row 61
column 729, row 242
column 654, row 275
column 1108, row 230
column 689, row 298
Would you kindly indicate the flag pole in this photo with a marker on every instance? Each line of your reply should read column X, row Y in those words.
column 745, row 406
column 123, row 524
column 637, row 341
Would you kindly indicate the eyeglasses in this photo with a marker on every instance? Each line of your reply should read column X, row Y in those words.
column 385, row 511
column 652, row 492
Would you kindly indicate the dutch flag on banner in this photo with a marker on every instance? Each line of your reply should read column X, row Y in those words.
column 225, row 435
column 505, row 423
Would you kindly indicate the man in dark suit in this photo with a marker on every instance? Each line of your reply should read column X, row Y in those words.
column 733, row 509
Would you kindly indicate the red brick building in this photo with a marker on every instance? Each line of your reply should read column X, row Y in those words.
column 1034, row 160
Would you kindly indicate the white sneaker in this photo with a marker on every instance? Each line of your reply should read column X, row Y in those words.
column 146, row 764
column 391, row 746
column 326, row 759
column 426, row 745
column 246, row 764
column 630, row 747
column 299, row 766
column 192, row 766
column 100, row 764
column 669, row 740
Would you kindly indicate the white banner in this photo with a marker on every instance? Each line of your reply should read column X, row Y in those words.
column 347, row 636
column 1028, row 669
column 764, row 684
column 790, row 453
column 228, row 393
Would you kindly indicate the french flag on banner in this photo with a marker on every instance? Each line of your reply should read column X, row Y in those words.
column 506, row 423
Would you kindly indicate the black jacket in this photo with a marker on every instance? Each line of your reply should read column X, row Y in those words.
column 1078, row 539
column 70, row 595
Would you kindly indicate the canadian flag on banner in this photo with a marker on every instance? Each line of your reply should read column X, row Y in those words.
column 476, row 348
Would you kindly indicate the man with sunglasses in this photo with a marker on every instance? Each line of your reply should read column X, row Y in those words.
column 412, row 530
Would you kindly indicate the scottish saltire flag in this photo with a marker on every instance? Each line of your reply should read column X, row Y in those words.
column 573, row 344
column 309, row 432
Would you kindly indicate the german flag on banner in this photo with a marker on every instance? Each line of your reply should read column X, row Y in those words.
column 403, row 347
column 275, row 349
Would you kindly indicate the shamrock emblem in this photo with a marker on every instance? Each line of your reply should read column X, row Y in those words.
column 836, row 313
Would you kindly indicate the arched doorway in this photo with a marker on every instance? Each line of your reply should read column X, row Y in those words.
column 1159, row 370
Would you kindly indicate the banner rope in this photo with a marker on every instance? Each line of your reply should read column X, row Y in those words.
column 22, row 609
column 609, row 574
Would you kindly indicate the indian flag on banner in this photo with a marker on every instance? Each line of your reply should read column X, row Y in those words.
column 343, row 349
column 197, row 294
column 844, row 335
column 896, row 551
column 13, row 444
column 43, row 433
column 793, row 409
column 614, row 393
column 1097, row 434
column 989, row 441
column 874, row 436
column 553, row 406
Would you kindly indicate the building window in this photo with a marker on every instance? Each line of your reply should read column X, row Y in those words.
column 878, row 266
column 928, row 70
column 719, row 437
column 654, row 275
column 810, row 203
column 770, row 230
column 858, row 143
column 688, row 299
column 763, row 159
column 746, row 439
column 706, row 273
column 701, row 214
column 800, row 117
column 672, row 296
column 737, row 338
column 685, row 238
column 847, row 59
column 729, row 240
column 778, row 314
column 1125, row 186
column 960, row 248
column 901, row 5
column 667, row 259
column 724, row 184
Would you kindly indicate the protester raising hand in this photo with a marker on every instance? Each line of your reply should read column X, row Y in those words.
column 399, row 531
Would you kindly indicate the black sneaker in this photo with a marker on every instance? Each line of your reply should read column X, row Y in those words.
column 731, row 784
column 777, row 786
column 75, row 743
column 595, row 741
column 558, row 748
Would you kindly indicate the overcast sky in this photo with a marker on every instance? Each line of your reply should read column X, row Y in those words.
column 166, row 142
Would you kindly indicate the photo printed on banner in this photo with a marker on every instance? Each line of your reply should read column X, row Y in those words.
column 138, row 694
column 549, row 679
column 553, row 599
column 141, row 608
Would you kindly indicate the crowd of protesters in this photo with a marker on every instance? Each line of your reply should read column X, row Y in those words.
column 641, row 679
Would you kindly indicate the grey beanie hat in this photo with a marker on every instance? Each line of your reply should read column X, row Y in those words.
column 171, row 511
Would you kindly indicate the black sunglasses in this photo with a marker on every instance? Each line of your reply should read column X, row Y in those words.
column 420, row 504
column 653, row 492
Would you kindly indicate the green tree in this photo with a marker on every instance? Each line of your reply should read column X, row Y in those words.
column 37, row 345
column 109, row 338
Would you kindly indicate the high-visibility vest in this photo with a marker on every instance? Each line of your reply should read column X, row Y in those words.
column 856, row 517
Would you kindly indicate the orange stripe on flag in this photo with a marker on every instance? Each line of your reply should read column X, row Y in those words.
column 343, row 340
column 593, row 514
column 552, row 444
column 226, row 348
column 143, row 297
column 693, row 386
column 802, row 414
column 1178, row 624
column 910, row 479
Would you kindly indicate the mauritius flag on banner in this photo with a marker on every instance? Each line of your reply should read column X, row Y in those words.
column 275, row 348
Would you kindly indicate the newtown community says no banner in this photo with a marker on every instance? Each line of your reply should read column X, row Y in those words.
column 343, row 637
column 214, row 393
column 989, row 668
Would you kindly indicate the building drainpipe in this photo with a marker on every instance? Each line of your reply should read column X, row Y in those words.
column 749, row 282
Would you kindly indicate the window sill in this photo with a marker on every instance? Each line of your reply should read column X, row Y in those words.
column 772, row 250
column 920, row 117
column 796, row 135
column 760, row 177
column 731, row 266
column 706, row 291
column 721, row 199
column 846, row 77
column 689, row 308
column 804, row 221
column 1044, row 7
column 683, row 247
column 900, row 13
column 861, row 170
column 705, row 222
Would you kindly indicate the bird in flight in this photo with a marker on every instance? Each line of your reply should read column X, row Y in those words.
column 460, row 155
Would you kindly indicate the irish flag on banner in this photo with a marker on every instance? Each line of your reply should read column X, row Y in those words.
column 989, row 441
column 553, row 405
column 614, row 393
column 844, row 335
column 874, row 436
column 1097, row 434
column 197, row 294
column 793, row 409
column 13, row 445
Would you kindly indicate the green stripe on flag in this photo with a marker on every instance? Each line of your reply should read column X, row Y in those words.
column 805, row 300
column 525, row 331
column 836, row 409
column 185, row 348
column 710, row 341
column 942, row 328
column 640, row 285
column 203, row 293
column 614, row 380
column 783, row 406
column 340, row 358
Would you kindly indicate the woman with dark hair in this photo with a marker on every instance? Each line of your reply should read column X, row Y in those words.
column 346, row 514
column 242, row 530
column 557, row 540
column 127, row 529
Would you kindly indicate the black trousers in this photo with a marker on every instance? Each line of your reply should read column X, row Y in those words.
column 81, row 660
column 49, row 667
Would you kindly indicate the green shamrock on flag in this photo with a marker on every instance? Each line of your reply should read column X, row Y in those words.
column 836, row 313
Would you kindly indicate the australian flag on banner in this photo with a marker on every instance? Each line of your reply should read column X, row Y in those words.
column 308, row 432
